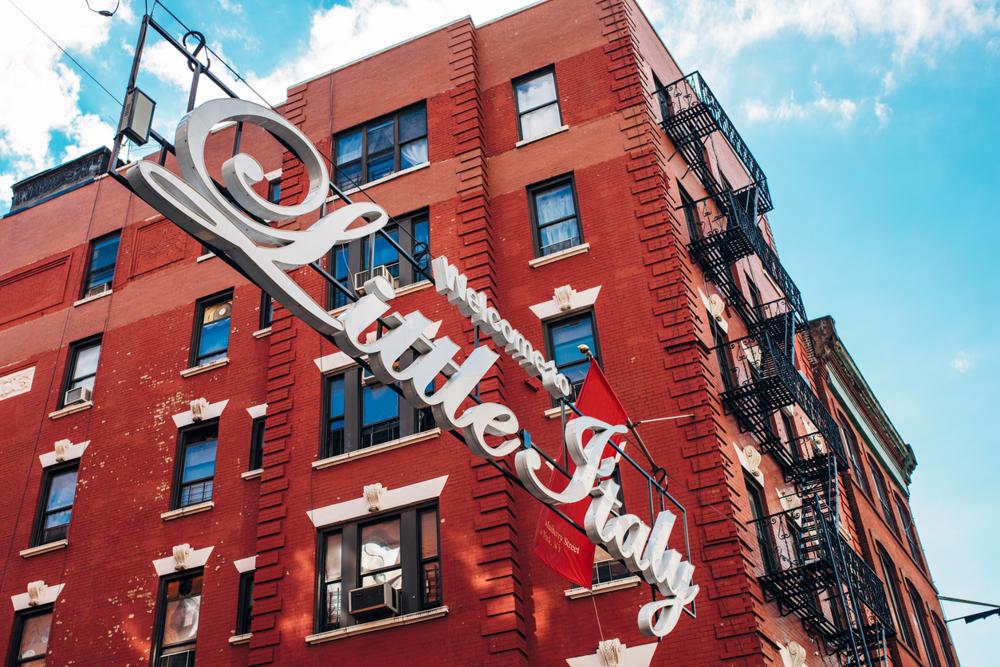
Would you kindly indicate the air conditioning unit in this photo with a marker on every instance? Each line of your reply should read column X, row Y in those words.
column 361, row 277
column 97, row 290
column 375, row 600
column 76, row 395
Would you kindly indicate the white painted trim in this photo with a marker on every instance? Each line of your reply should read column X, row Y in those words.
column 556, row 256
column 257, row 411
column 377, row 449
column 17, row 382
column 384, row 179
column 393, row 498
column 748, row 464
column 525, row 142
column 204, row 368
column 252, row 474
column 93, row 297
column 44, row 548
column 262, row 333
column 578, row 301
column 332, row 363
column 606, row 587
column 635, row 656
column 237, row 640
column 197, row 558
column 73, row 451
column 204, row 258
column 413, row 287
column 247, row 564
column 556, row 412
column 271, row 175
column 197, row 508
column 49, row 594
column 362, row 628
column 213, row 411
column 71, row 409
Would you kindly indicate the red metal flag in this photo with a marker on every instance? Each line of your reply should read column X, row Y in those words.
column 558, row 544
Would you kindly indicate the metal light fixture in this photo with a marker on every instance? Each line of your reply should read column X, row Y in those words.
column 137, row 116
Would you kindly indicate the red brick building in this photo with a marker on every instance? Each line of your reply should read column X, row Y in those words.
column 190, row 473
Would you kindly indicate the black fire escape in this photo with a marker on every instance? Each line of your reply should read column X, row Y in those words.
column 810, row 568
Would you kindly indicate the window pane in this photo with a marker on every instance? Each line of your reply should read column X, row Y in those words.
column 540, row 122
column 199, row 461
column 559, row 236
column 380, row 137
column 535, row 92
column 413, row 153
column 412, row 124
column 349, row 175
column 385, row 254
column 428, row 534
column 102, row 262
column 62, row 490
column 86, row 361
column 554, row 204
column 334, row 605
column 380, row 546
column 567, row 336
column 214, row 339
column 181, row 620
column 334, row 544
column 274, row 191
column 349, row 147
column 336, row 407
column 35, row 637
column 382, row 166
column 379, row 403
column 422, row 243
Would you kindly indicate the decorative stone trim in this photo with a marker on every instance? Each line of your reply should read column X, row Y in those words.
column 262, row 333
column 64, row 450
column 257, row 411
column 384, row 179
column 750, row 459
column 93, row 297
column 332, row 363
column 271, row 175
column 208, row 411
column 606, row 587
column 38, row 594
column 556, row 256
column 715, row 305
column 612, row 653
column 247, row 564
column 413, row 287
column 377, row 449
column 197, row 508
column 204, row 368
column 372, row 626
column 391, row 499
column 44, row 548
column 252, row 474
column 182, row 558
column 204, row 258
column 237, row 640
column 793, row 654
column 525, row 142
column 71, row 409
column 565, row 300
column 16, row 383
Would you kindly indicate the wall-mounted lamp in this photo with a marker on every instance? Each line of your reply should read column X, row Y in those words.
column 137, row 118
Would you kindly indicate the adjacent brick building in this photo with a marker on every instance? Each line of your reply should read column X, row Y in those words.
column 173, row 450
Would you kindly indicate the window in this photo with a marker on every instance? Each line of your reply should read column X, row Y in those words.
column 274, row 191
column 554, row 216
column 855, row 453
column 31, row 636
column 81, row 369
column 257, row 444
column 790, row 438
column 266, row 310
column 755, row 300
column 360, row 413
column 758, row 510
column 101, row 265
column 179, row 610
column 196, row 465
column 925, row 632
column 910, row 531
column 690, row 214
column 882, row 492
column 400, row 552
column 244, row 604
column 56, row 504
column 945, row 641
column 898, row 608
column 410, row 232
column 564, row 338
column 721, row 346
column 537, row 103
column 381, row 147
column 211, row 329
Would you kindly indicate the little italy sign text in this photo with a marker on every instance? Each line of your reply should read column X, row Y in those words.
column 490, row 429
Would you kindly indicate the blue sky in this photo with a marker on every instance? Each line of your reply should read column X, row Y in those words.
column 875, row 123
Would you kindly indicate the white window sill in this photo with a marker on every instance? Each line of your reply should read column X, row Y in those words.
column 525, row 142
column 71, row 409
column 197, row 508
column 44, row 548
column 252, row 474
column 413, row 287
column 88, row 299
column 204, row 368
column 262, row 333
column 606, row 587
column 203, row 258
column 362, row 628
column 377, row 449
column 236, row 640
column 556, row 256
column 384, row 179
column 556, row 412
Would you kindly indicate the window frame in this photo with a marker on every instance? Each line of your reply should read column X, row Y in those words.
column 882, row 495
column 550, row 184
column 258, row 426
column 89, row 267
column 266, row 315
column 520, row 113
column 156, row 651
column 195, row 357
column 923, row 629
column 854, row 453
column 944, row 640
column 183, row 443
column 17, row 636
column 71, row 361
column 244, row 603
column 909, row 529
column 550, row 324
column 364, row 159
column 896, row 601
column 48, row 474
column 274, row 186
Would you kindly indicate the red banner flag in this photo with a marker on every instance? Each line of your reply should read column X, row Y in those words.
column 558, row 544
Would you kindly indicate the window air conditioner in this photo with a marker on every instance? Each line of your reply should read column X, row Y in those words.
column 76, row 395
column 361, row 277
column 97, row 290
column 378, row 599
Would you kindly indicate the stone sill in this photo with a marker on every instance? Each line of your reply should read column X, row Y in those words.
column 197, row 508
column 413, row 287
column 384, row 179
column 554, row 413
column 236, row 640
column 262, row 333
column 44, row 548
column 377, row 449
column 252, row 474
column 556, row 256
column 606, row 587
column 362, row 628
column 204, row 368
column 525, row 142
column 71, row 409
column 204, row 258
column 95, row 297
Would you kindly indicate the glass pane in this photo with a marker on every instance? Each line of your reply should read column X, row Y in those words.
column 554, row 204
column 379, row 403
column 56, row 527
column 559, row 236
column 379, row 167
column 336, row 396
column 380, row 137
column 349, row 175
column 412, row 124
column 395, row 577
column 535, row 92
column 86, row 361
column 385, row 254
column 432, row 584
column 540, row 122
column 413, row 153
column 104, row 254
column 379, row 546
column 199, row 461
column 428, row 534
column 334, row 605
column 422, row 243
column 35, row 637
column 567, row 336
column 349, row 147
column 214, row 339
column 181, row 620
column 62, row 490
column 334, row 545
column 274, row 191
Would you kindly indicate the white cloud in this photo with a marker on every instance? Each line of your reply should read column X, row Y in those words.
column 841, row 110
column 883, row 112
column 963, row 362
